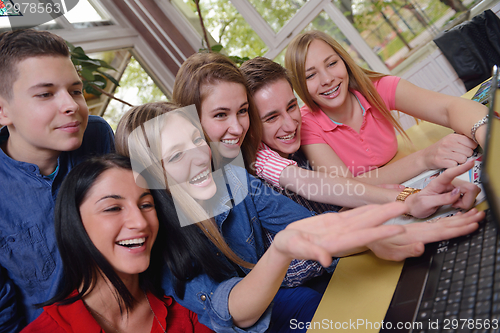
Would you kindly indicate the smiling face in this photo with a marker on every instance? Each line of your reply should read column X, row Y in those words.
column 187, row 158
column 121, row 221
column 224, row 116
column 47, row 112
column 326, row 76
column 280, row 115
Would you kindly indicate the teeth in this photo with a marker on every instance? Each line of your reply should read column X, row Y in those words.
column 230, row 142
column 288, row 137
column 136, row 241
column 202, row 175
column 331, row 91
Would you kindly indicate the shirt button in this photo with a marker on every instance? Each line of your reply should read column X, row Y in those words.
column 203, row 298
column 32, row 168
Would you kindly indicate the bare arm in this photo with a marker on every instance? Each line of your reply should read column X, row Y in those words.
column 460, row 114
column 317, row 238
column 333, row 189
column 323, row 236
column 457, row 113
column 323, row 158
column 346, row 192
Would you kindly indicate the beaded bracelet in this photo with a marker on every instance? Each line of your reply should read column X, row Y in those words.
column 476, row 126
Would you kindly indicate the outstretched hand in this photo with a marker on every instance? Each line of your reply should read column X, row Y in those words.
column 337, row 234
column 441, row 191
column 448, row 152
column 411, row 243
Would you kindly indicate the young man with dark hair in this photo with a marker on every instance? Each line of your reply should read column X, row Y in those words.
column 46, row 131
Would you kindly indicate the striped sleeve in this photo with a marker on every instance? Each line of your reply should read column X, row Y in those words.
column 269, row 165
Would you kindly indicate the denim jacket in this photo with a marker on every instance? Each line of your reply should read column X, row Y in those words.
column 29, row 258
column 257, row 207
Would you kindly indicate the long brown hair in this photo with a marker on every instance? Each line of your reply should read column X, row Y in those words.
column 360, row 79
column 145, row 145
column 209, row 69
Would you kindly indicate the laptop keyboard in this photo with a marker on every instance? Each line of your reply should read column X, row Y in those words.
column 462, row 293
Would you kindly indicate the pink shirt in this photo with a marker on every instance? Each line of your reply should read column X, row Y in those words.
column 372, row 147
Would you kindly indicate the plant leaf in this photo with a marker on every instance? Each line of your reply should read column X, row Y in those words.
column 110, row 78
column 217, row 48
column 105, row 64
column 91, row 90
column 87, row 74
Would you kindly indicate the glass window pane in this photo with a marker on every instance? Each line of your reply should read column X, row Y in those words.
column 136, row 87
column 323, row 22
column 277, row 12
column 84, row 15
column 229, row 28
column 395, row 30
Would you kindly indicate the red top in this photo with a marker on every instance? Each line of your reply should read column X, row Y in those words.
column 372, row 147
column 77, row 319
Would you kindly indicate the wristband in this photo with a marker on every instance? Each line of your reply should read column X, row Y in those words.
column 476, row 126
column 405, row 194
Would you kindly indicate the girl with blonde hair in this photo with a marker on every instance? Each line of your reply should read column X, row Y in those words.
column 347, row 125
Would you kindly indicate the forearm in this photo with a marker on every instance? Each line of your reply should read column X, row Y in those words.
column 463, row 114
column 252, row 295
column 336, row 190
column 457, row 113
column 396, row 172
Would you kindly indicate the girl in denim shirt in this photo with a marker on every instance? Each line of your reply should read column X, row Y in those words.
column 232, row 280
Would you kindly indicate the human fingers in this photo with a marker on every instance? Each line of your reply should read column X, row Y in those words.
column 296, row 244
column 445, row 228
column 300, row 244
column 450, row 174
column 467, row 197
column 466, row 142
column 455, row 156
column 359, row 238
column 458, row 141
column 425, row 205
column 371, row 215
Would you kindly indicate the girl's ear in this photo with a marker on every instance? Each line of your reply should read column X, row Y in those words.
column 4, row 114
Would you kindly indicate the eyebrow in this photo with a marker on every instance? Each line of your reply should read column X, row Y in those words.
column 273, row 112
column 119, row 197
column 223, row 108
column 326, row 60
column 179, row 145
column 50, row 85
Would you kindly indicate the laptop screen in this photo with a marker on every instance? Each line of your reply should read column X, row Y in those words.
column 490, row 174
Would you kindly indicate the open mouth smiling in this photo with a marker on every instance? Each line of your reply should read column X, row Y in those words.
column 132, row 243
column 287, row 137
column 230, row 142
column 200, row 178
column 329, row 92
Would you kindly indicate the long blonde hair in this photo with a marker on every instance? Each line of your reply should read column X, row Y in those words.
column 211, row 68
column 360, row 79
column 145, row 146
